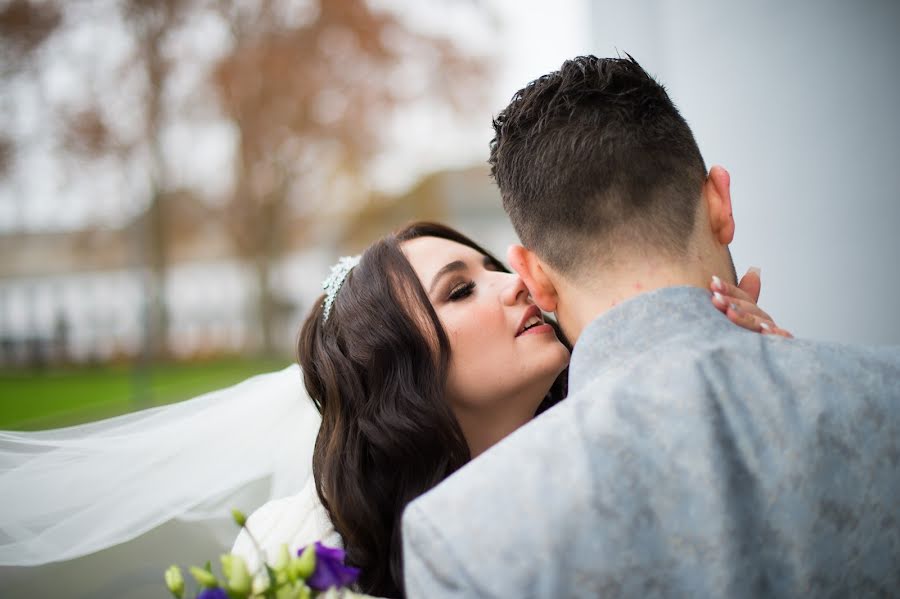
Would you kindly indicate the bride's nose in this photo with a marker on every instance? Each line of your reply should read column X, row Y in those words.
column 514, row 292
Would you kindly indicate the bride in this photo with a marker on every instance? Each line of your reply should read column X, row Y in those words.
column 424, row 352
column 419, row 357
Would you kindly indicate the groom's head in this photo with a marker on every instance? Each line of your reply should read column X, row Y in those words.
column 595, row 166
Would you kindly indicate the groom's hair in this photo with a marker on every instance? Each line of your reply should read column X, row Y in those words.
column 595, row 156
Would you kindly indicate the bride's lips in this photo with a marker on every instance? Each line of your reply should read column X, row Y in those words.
column 530, row 313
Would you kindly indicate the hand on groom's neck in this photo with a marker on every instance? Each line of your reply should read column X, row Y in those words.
column 579, row 303
column 633, row 268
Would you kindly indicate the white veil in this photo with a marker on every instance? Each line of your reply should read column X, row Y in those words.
column 156, row 485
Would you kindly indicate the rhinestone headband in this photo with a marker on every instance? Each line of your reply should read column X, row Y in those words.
column 333, row 283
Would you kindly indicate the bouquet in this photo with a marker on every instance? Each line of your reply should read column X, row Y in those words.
column 316, row 572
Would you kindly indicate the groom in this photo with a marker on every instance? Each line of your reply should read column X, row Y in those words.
column 691, row 458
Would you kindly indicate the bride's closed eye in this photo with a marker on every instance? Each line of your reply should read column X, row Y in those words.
column 461, row 291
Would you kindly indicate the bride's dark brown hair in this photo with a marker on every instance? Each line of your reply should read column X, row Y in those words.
column 377, row 371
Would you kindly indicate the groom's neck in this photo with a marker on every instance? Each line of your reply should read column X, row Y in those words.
column 607, row 287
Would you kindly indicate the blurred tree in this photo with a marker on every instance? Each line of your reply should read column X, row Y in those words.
column 307, row 86
column 83, row 127
column 7, row 150
column 150, row 23
column 25, row 26
column 309, row 93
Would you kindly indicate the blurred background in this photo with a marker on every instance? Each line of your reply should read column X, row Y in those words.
column 176, row 176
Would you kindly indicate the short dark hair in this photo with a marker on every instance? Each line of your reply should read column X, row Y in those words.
column 594, row 154
column 377, row 372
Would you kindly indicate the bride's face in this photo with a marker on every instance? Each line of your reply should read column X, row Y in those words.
column 498, row 357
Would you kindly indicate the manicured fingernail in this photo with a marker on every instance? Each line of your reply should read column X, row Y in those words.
column 717, row 297
column 716, row 282
column 755, row 269
column 765, row 326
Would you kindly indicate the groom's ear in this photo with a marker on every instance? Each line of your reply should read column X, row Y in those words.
column 717, row 194
column 531, row 270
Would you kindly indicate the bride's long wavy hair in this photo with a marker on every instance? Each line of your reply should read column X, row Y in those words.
column 377, row 371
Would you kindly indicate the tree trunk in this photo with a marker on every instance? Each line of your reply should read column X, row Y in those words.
column 157, row 313
column 265, row 307
column 156, row 222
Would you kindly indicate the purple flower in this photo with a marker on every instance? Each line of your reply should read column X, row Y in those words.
column 213, row 593
column 330, row 569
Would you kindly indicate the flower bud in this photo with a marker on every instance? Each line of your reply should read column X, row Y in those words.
column 239, row 517
column 284, row 556
column 239, row 580
column 204, row 577
column 305, row 565
column 261, row 584
column 175, row 581
column 226, row 559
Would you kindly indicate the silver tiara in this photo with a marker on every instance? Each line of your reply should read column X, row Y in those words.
column 333, row 283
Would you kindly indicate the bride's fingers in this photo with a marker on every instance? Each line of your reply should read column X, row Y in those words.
column 729, row 290
column 744, row 319
column 751, row 284
column 770, row 328
column 754, row 321
column 723, row 302
column 738, row 303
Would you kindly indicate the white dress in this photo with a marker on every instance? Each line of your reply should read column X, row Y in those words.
column 297, row 520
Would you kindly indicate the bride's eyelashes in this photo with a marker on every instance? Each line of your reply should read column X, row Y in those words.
column 461, row 291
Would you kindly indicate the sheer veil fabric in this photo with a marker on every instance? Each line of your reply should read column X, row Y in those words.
column 161, row 478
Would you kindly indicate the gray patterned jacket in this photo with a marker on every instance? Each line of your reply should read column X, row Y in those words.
column 691, row 459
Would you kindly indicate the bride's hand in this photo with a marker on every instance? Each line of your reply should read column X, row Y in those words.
column 739, row 304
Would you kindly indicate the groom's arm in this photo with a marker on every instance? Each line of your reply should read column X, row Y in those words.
column 431, row 566
column 492, row 527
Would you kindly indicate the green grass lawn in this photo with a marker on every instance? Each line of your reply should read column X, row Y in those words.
column 34, row 400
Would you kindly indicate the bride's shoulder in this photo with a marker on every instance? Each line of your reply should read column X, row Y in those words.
column 296, row 520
